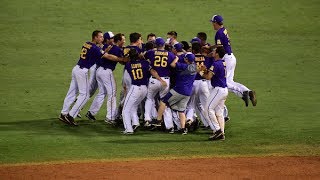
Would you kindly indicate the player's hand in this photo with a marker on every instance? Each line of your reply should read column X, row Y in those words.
column 164, row 84
column 125, row 59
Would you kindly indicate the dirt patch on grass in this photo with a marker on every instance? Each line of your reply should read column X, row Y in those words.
column 207, row 168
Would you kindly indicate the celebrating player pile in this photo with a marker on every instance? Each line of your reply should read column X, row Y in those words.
column 166, row 84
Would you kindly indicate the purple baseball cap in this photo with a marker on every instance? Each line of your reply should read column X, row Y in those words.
column 159, row 41
column 178, row 47
column 108, row 35
column 216, row 18
column 195, row 39
column 190, row 56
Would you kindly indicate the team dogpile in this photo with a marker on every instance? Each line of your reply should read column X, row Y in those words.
column 172, row 86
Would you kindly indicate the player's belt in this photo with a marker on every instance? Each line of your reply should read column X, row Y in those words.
column 139, row 85
column 81, row 67
column 161, row 77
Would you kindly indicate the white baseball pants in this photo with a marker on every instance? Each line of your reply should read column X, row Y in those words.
column 79, row 84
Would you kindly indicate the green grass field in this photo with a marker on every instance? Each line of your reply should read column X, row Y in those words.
column 277, row 48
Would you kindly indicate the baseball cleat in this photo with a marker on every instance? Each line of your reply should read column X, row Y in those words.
column 127, row 133
column 226, row 119
column 156, row 123
column 111, row 122
column 147, row 124
column 79, row 115
column 171, row 131
column 90, row 116
column 253, row 98
column 218, row 135
column 184, row 131
column 63, row 119
column 135, row 128
column 245, row 97
column 71, row 120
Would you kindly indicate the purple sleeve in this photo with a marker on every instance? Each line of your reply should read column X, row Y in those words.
column 97, row 52
column 171, row 57
column 181, row 66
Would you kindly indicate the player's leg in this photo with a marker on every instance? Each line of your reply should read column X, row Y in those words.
column 111, row 86
column 219, row 110
column 140, row 94
column 82, row 79
column 71, row 95
column 153, row 89
column 212, row 102
column 92, row 80
column 167, row 115
column 127, row 110
column 98, row 100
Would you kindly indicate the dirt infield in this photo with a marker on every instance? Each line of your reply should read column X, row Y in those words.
column 209, row 168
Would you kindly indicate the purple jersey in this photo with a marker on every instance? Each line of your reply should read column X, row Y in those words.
column 160, row 61
column 202, row 60
column 89, row 55
column 222, row 38
column 185, row 77
column 115, row 50
column 139, row 72
column 218, row 69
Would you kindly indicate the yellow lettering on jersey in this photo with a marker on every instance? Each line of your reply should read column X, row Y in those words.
column 135, row 66
column 211, row 68
column 88, row 46
column 225, row 32
column 126, row 51
column 160, row 53
column 200, row 59
column 218, row 41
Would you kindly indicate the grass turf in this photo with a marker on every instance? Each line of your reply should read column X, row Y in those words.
column 276, row 45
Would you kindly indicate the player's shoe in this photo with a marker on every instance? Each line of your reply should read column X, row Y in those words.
column 71, row 120
column 155, row 123
column 127, row 133
column 218, row 135
column 90, row 116
column 79, row 115
column 171, row 130
column 147, row 124
column 253, row 98
column 188, row 123
column 226, row 119
column 111, row 122
column 245, row 97
column 184, row 131
column 63, row 119
column 135, row 127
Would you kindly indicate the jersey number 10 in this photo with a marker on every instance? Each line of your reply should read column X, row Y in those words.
column 137, row 74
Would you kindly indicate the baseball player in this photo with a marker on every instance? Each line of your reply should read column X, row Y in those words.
column 218, row 94
column 106, row 82
column 135, row 42
column 203, row 37
column 90, row 53
column 178, row 97
column 161, row 61
column 139, row 71
column 200, row 91
column 222, row 38
column 107, row 39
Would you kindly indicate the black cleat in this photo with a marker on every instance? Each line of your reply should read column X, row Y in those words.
column 71, row 120
column 218, row 135
column 79, row 115
column 245, row 97
column 184, row 131
column 155, row 123
column 135, row 128
column 126, row 133
column 63, row 119
column 226, row 119
column 90, row 116
column 253, row 98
